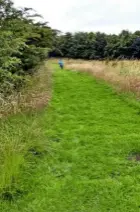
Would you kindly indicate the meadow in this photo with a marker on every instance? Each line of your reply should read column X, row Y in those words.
column 69, row 139
column 80, row 153
column 124, row 75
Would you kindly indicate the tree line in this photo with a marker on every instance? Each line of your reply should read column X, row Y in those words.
column 24, row 43
column 98, row 45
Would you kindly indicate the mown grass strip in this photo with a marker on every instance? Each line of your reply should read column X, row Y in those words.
column 94, row 137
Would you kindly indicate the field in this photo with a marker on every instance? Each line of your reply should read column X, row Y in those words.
column 124, row 75
column 91, row 148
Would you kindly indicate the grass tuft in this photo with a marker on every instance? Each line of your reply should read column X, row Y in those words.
column 21, row 135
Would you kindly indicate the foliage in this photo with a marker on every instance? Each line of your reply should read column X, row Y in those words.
column 24, row 43
column 98, row 45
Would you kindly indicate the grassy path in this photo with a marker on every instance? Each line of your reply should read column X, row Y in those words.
column 92, row 132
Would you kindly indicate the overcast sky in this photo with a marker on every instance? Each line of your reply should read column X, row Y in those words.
column 110, row 16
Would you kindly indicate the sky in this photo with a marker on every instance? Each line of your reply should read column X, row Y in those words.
column 110, row 16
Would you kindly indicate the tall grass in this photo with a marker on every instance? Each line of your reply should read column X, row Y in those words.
column 125, row 75
column 21, row 135
column 34, row 96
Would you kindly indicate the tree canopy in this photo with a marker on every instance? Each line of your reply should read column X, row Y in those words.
column 90, row 45
column 24, row 43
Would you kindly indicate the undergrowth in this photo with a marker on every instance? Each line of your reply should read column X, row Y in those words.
column 21, row 135
column 33, row 96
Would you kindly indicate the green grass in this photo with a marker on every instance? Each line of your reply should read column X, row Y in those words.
column 21, row 140
column 91, row 132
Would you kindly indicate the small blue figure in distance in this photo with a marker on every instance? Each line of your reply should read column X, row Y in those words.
column 61, row 64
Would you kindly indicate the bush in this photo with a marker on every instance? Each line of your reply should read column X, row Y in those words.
column 23, row 43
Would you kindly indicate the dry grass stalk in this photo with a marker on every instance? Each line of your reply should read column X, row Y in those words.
column 34, row 96
column 125, row 75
